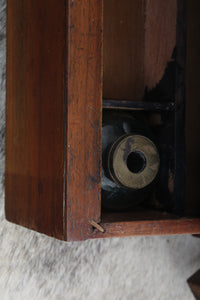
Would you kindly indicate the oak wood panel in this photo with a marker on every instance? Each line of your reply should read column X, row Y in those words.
column 148, row 227
column 84, row 109
column 34, row 115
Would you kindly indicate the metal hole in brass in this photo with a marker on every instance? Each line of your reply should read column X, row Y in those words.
column 136, row 162
column 133, row 161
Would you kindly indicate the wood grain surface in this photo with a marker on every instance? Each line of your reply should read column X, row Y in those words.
column 148, row 227
column 54, row 109
column 123, row 52
column 159, row 40
column 35, row 114
column 139, row 40
column 84, row 109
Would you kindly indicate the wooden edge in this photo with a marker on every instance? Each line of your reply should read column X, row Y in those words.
column 148, row 228
column 84, row 110
column 34, row 115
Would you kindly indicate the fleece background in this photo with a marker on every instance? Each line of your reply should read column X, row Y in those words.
column 33, row 266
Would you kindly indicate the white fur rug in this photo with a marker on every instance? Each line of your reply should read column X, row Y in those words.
column 33, row 266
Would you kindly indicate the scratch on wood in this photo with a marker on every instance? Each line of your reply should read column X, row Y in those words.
column 95, row 127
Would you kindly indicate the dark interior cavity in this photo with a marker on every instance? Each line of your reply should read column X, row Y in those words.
column 136, row 162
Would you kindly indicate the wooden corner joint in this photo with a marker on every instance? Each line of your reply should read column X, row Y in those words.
column 97, row 226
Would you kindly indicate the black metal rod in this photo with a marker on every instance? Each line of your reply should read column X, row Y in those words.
column 137, row 105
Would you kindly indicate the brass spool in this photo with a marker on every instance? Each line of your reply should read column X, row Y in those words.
column 133, row 162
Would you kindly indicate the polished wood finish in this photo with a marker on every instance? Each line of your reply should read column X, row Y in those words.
column 159, row 41
column 35, row 114
column 147, row 227
column 144, row 222
column 123, row 52
column 83, row 128
column 54, row 110
column 54, row 95
column 136, row 50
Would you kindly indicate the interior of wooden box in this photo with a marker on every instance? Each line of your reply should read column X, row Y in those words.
column 139, row 40
column 140, row 78
column 193, row 107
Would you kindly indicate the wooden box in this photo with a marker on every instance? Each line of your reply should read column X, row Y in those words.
column 68, row 62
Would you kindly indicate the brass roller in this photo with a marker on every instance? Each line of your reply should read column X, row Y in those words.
column 133, row 161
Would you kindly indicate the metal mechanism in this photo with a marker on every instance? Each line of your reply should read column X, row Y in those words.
column 133, row 161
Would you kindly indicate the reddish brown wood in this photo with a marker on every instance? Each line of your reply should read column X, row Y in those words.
column 139, row 39
column 53, row 88
column 148, row 227
column 160, row 39
column 84, row 107
column 123, row 49
column 136, row 215
column 35, row 102
column 54, row 107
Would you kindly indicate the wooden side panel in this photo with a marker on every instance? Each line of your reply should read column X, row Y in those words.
column 193, row 107
column 123, row 53
column 160, row 39
column 139, row 40
column 148, row 227
column 35, row 101
column 83, row 132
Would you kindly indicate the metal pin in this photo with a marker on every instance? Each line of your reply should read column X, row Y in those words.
column 97, row 226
